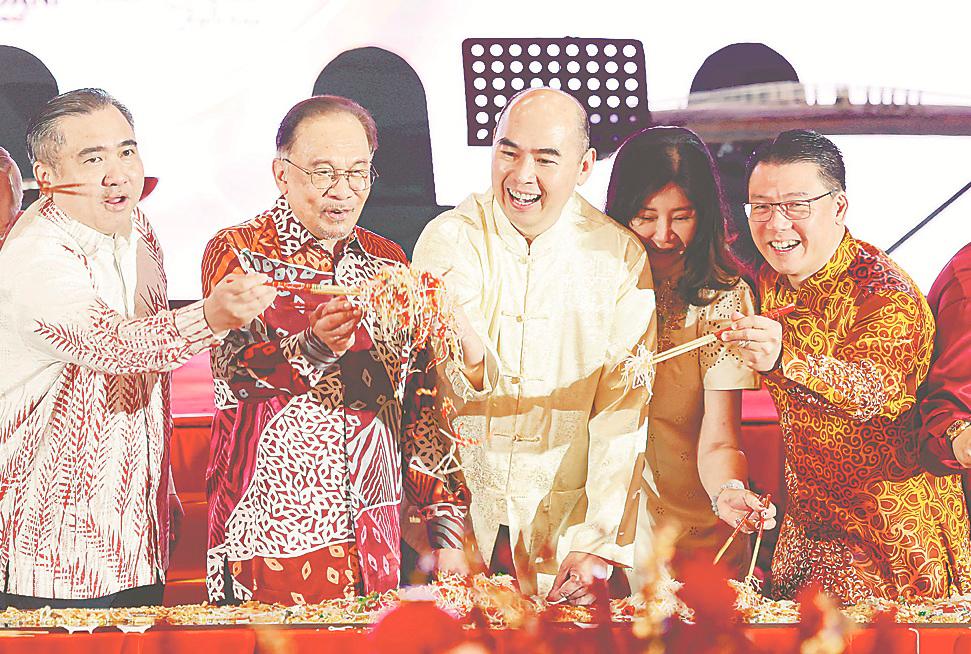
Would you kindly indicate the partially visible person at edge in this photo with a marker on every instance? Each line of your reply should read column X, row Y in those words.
column 87, row 342
column 11, row 194
column 945, row 406
column 863, row 520
column 559, row 295
column 320, row 426
column 664, row 188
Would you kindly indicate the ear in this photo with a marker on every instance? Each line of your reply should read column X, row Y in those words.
column 842, row 206
column 43, row 174
column 280, row 175
column 586, row 166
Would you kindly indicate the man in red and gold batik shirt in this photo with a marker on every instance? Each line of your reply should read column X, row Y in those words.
column 324, row 418
column 946, row 394
column 864, row 519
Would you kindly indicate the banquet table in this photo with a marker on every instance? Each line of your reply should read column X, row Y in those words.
column 276, row 639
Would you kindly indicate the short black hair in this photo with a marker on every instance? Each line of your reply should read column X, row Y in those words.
column 44, row 138
column 797, row 145
column 322, row 105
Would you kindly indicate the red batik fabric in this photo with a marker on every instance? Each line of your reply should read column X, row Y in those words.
column 86, row 340
column 864, row 519
column 946, row 395
column 307, row 448
column 328, row 573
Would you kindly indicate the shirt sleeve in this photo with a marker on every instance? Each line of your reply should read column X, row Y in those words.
column 63, row 317
column 433, row 481
column 438, row 252
column 947, row 390
column 870, row 372
column 254, row 363
column 618, row 419
column 721, row 367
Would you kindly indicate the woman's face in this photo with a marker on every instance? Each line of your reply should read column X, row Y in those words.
column 666, row 224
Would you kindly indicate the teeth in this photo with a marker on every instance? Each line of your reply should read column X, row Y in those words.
column 524, row 197
column 784, row 245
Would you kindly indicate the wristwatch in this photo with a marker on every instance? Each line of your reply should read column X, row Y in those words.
column 956, row 428
column 734, row 484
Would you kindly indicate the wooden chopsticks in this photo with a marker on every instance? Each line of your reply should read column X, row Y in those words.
column 320, row 289
column 751, row 514
column 684, row 348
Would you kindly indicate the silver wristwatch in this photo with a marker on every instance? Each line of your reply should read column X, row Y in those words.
column 734, row 484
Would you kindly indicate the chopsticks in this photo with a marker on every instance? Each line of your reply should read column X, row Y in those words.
column 758, row 538
column 684, row 348
column 751, row 514
column 320, row 289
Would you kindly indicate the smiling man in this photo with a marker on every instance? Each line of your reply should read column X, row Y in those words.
column 317, row 411
column 556, row 295
column 863, row 519
column 86, row 341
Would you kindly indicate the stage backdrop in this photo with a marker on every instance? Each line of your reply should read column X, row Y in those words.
column 209, row 80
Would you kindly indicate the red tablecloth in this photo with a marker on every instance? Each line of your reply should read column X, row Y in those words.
column 943, row 639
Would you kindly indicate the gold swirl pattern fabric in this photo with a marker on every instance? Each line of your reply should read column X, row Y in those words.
column 864, row 519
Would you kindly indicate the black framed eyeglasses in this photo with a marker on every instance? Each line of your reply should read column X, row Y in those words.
column 326, row 178
column 761, row 212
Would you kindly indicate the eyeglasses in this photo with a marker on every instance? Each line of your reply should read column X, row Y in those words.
column 326, row 178
column 761, row 212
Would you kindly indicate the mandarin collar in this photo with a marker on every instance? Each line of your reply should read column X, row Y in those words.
column 87, row 238
column 543, row 242
column 293, row 236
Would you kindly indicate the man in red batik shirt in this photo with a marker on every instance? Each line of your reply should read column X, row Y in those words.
column 324, row 417
column 945, row 408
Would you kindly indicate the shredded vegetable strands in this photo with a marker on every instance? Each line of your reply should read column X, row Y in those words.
column 639, row 369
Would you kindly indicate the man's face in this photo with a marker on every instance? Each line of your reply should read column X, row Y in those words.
column 796, row 248
column 332, row 142
column 98, row 169
column 537, row 161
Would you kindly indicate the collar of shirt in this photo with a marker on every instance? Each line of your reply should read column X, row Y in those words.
column 88, row 239
column 293, row 236
column 543, row 243
column 817, row 288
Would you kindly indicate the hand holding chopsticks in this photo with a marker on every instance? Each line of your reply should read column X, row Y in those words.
column 771, row 314
column 758, row 338
column 759, row 514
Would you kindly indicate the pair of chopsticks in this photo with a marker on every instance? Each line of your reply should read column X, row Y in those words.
column 766, row 502
column 319, row 289
column 684, row 348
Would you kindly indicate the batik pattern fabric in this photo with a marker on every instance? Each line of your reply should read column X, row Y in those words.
column 946, row 394
column 328, row 573
column 311, row 451
column 86, row 341
column 864, row 519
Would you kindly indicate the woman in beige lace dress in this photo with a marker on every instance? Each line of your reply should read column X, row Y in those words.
column 664, row 188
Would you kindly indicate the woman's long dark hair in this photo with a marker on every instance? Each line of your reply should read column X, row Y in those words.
column 650, row 160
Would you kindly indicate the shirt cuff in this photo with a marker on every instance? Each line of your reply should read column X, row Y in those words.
column 190, row 322
column 315, row 350
column 463, row 387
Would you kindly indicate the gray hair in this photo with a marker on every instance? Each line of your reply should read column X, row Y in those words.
column 44, row 139
column 9, row 167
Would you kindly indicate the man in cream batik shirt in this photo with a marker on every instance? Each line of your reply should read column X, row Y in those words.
column 559, row 295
